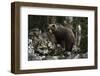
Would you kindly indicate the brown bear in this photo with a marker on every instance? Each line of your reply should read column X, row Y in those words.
column 63, row 35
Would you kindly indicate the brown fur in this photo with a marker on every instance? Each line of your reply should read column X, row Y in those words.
column 64, row 36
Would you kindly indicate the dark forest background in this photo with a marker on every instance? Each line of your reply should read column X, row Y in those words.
column 41, row 22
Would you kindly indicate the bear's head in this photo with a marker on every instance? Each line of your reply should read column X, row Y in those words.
column 52, row 28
